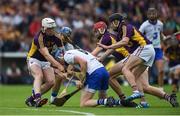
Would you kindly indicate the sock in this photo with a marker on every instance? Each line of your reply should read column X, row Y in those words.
column 136, row 91
column 101, row 101
column 117, row 102
column 37, row 96
column 167, row 97
column 33, row 93
column 53, row 96
column 143, row 102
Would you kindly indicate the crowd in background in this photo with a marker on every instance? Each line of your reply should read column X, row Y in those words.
column 21, row 19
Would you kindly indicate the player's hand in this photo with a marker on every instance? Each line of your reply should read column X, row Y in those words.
column 103, row 46
column 78, row 84
column 80, row 75
column 60, row 74
column 99, row 59
column 61, row 68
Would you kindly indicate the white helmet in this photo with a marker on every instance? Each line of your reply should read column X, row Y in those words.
column 48, row 23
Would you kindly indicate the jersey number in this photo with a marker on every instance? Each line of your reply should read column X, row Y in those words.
column 155, row 35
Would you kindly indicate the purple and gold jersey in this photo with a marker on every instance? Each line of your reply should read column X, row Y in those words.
column 40, row 41
column 109, row 39
column 136, row 38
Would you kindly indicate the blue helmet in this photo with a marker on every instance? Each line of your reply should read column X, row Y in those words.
column 66, row 31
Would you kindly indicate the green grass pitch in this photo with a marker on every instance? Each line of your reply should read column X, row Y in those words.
column 12, row 103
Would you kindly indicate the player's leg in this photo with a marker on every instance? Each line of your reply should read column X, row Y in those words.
column 49, row 78
column 56, row 87
column 137, row 72
column 114, row 72
column 175, row 82
column 98, row 80
column 37, row 73
column 102, row 94
column 160, row 66
column 86, row 99
column 132, row 62
column 156, row 91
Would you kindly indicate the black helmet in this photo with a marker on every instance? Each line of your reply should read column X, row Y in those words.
column 116, row 16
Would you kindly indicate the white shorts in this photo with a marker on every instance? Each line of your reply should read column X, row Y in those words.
column 41, row 64
column 86, row 88
column 172, row 69
column 146, row 53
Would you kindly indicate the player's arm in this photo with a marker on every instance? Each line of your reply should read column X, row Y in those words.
column 44, row 51
column 162, row 36
column 142, row 28
column 126, row 34
column 119, row 44
column 106, row 54
column 83, row 66
column 96, row 51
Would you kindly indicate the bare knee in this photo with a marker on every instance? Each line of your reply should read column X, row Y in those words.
column 83, row 104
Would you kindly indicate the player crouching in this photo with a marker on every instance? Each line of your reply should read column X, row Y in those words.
column 93, row 75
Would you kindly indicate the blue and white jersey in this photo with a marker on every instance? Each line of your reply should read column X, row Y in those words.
column 57, row 51
column 152, row 32
column 92, row 62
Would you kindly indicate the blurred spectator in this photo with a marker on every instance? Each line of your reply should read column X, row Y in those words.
column 24, row 20
column 85, row 42
column 19, row 24
column 34, row 26
column 13, row 74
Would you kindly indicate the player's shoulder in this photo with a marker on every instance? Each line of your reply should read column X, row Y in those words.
column 145, row 23
column 159, row 22
column 70, row 51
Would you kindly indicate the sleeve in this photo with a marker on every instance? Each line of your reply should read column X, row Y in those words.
column 162, row 26
column 58, row 41
column 39, row 41
column 69, row 58
column 127, row 31
column 106, row 40
column 142, row 28
column 69, row 46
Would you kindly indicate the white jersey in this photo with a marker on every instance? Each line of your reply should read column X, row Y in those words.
column 92, row 62
column 152, row 32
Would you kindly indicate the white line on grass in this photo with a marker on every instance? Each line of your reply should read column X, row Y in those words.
column 68, row 111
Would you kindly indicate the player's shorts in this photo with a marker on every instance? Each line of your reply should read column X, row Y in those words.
column 172, row 69
column 146, row 53
column 41, row 64
column 98, row 80
column 159, row 54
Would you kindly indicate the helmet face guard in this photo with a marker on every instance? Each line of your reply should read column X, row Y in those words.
column 66, row 31
column 116, row 19
column 48, row 23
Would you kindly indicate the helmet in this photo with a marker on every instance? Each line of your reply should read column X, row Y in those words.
column 48, row 23
column 99, row 25
column 116, row 16
column 66, row 31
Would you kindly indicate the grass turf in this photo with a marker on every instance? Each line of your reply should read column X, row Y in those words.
column 12, row 103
